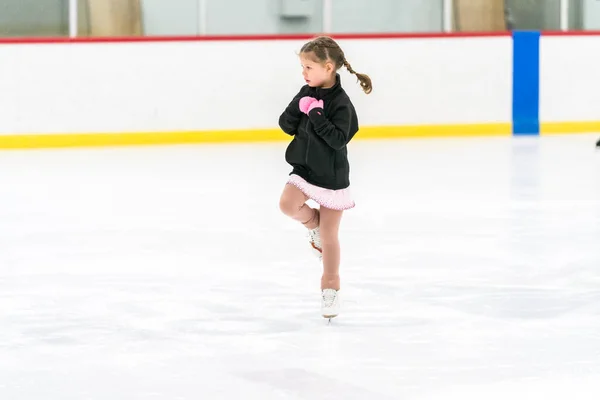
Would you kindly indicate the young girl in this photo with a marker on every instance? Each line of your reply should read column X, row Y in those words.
column 322, row 120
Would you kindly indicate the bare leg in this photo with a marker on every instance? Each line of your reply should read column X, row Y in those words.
column 292, row 204
column 330, row 226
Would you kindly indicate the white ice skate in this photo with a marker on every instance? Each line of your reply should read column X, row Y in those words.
column 314, row 238
column 330, row 303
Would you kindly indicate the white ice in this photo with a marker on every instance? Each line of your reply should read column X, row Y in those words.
column 470, row 270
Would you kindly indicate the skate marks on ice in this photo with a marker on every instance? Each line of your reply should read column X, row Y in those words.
column 303, row 384
column 69, row 309
column 487, row 300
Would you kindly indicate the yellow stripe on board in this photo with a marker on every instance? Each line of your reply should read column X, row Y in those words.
column 238, row 136
column 550, row 128
column 418, row 131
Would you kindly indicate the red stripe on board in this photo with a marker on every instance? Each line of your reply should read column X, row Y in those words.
column 570, row 33
column 133, row 39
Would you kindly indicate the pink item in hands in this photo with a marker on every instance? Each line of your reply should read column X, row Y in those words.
column 315, row 104
column 305, row 103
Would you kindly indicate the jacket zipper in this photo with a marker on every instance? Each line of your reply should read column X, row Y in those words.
column 307, row 147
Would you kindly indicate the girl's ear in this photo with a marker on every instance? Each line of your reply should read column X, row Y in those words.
column 329, row 67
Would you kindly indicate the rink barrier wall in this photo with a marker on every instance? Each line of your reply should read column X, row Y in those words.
column 95, row 103
column 569, row 83
column 544, row 102
column 417, row 102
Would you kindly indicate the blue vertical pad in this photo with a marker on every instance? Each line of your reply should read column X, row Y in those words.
column 526, row 83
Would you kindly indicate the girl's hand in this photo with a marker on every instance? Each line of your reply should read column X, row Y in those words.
column 308, row 103
column 305, row 103
column 315, row 104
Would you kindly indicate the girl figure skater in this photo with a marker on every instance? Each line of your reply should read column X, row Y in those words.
column 322, row 120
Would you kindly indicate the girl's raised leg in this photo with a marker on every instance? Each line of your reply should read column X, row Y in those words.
column 292, row 204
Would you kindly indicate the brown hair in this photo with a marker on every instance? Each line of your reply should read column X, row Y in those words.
column 325, row 48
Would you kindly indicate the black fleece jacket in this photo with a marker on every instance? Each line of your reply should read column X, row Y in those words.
column 318, row 151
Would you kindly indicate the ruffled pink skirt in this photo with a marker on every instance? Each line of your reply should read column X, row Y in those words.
column 328, row 198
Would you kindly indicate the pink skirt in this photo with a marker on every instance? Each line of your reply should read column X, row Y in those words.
column 328, row 198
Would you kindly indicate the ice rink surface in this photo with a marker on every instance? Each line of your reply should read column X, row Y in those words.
column 470, row 270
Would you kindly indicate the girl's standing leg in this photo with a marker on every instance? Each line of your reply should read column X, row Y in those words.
column 330, row 227
column 330, row 281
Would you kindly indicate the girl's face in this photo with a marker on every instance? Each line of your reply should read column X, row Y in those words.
column 317, row 74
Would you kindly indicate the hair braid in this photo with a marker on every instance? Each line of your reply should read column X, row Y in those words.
column 365, row 81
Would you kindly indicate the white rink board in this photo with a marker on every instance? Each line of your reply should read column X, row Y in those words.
column 569, row 78
column 237, row 85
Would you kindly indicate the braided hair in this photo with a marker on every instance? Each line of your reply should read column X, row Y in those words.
column 325, row 48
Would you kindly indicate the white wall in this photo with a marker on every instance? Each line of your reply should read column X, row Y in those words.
column 591, row 14
column 569, row 78
column 168, row 86
column 173, row 17
column 183, row 17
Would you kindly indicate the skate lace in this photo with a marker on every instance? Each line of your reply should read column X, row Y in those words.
column 329, row 297
column 315, row 237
